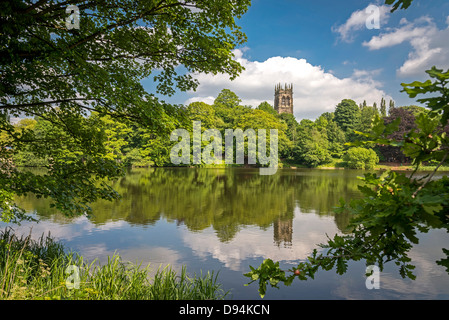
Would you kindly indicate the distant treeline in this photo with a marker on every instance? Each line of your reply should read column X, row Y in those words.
column 307, row 143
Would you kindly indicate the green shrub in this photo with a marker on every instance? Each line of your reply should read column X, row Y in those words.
column 361, row 158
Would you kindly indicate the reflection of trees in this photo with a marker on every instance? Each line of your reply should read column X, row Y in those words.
column 226, row 199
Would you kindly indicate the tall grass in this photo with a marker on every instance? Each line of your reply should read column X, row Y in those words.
column 31, row 269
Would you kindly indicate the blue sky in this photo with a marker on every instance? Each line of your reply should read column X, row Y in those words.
column 325, row 49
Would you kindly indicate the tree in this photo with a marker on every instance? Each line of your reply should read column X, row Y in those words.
column 347, row 116
column 200, row 111
column 265, row 106
column 227, row 107
column 312, row 148
column 336, row 138
column 391, row 106
column 367, row 117
column 116, row 134
column 383, row 107
column 227, row 98
column 392, row 153
column 62, row 75
column 257, row 119
column 292, row 125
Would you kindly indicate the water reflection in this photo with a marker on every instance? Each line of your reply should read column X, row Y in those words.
column 226, row 199
column 228, row 219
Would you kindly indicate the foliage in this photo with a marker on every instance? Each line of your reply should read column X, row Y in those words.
column 361, row 158
column 403, row 4
column 268, row 271
column 227, row 98
column 335, row 135
column 347, row 115
column 437, row 104
column 83, row 87
column 265, row 106
column 258, row 119
column 406, row 118
column 367, row 115
column 383, row 107
column 383, row 228
column 312, row 149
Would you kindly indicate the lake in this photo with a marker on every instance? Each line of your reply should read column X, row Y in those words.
column 227, row 219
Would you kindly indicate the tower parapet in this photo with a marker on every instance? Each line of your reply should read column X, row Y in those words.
column 283, row 98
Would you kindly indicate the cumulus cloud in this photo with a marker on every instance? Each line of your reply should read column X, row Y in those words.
column 430, row 45
column 314, row 90
column 371, row 17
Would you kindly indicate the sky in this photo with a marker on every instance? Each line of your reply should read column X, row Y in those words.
column 331, row 50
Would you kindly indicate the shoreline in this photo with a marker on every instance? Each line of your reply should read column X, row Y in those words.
column 383, row 166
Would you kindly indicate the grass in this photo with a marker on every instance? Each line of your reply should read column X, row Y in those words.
column 41, row 269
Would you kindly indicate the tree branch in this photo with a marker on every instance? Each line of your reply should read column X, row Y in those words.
column 432, row 174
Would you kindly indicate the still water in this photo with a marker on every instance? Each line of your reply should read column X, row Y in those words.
column 228, row 219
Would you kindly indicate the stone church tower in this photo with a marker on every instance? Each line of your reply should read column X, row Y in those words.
column 283, row 99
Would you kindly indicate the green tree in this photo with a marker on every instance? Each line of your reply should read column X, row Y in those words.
column 347, row 115
column 258, row 119
column 116, row 137
column 312, row 148
column 228, row 109
column 228, row 99
column 61, row 75
column 391, row 106
column 200, row 111
column 367, row 116
column 265, row 106
column 336, row 138
column 383, row 107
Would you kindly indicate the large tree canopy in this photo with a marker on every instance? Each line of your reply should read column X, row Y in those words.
column 60, row 74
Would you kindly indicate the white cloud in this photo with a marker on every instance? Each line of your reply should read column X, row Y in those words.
column 314, row 90
column 362, row 19
column 408, row 32
column 430, row 45
column 367, row 76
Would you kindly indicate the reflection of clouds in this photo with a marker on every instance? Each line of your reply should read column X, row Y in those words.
column 251, row 242
column 99, row 251
column 431, row 280
column 154, row 257
column 57, row 231
column 63, row 232
column 93, row 252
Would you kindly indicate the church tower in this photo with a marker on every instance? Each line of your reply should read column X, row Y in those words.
column 283, row 99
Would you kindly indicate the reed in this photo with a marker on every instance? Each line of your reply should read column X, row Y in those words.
column 37, row 269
